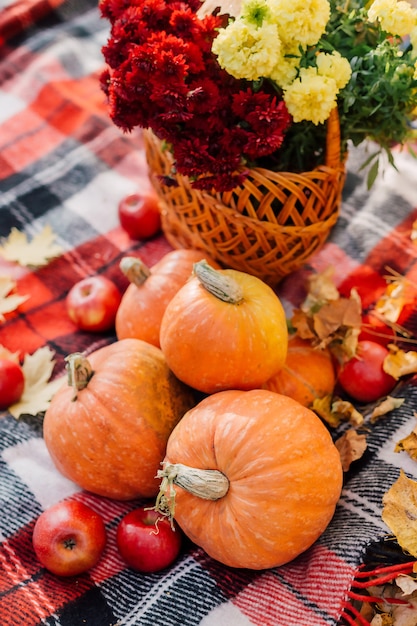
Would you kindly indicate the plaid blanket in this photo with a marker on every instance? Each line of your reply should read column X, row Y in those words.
column 64, row 164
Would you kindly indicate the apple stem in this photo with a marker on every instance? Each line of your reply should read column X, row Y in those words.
column 135, row 270
column 79, row 372
column 209, row 484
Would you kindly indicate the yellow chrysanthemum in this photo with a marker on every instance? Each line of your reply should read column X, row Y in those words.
column 334, row 66
column 247, row 51
column 303, row 21
column 397, row 18
column 415, row 71
column 311, row 96
column 285, row 69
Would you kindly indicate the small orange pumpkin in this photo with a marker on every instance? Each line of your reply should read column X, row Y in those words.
column 224, row 329
column 253, row 477
column 144, row 301
column 308, row 373
column 107, row 429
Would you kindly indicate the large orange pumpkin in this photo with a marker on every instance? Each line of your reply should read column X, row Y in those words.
column 107, row 430
column 145, row 300
column 224, row 329
column 254, row 476
column 308, row 373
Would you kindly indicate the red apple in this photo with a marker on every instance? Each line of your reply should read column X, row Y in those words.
column 12, row 383
column 92, row 303
column 146, row 541
column 139, row 215
column 363, row 377
column 69, row 538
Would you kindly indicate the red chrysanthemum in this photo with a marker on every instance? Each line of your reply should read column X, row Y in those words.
column 162, row 75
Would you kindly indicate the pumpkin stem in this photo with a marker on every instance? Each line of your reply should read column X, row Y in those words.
column 79, row 372
column 221, row 285
column 135, row 270
column 206, row 484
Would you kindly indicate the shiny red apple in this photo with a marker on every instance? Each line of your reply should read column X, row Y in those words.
column 139, row 215
column 92, row 303
column 69, row 538
column 146, row 541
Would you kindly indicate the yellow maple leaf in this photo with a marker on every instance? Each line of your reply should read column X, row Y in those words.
column 38, row 391
column 35, row 253
column 9, row 301
column 400, row 512
column 400, row 362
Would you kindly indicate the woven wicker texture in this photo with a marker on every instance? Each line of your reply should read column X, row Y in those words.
column 269, row 227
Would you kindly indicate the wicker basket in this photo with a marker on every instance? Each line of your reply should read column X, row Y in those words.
column 270, row 226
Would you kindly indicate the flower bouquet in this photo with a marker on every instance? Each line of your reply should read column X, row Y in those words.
column 250, row 107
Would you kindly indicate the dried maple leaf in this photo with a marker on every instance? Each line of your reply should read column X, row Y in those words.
column 327, row 319
column 400, row 362
column 385, row 406
column 323, row 408
column 351, row 447
column 382, row 619
column 9, row 301
column 400, row 512
column 35, row 253
column 347, row 412
column 335, row 411
column 407, row 584
column 38, row 391
column 321, row 290
column 408, row 444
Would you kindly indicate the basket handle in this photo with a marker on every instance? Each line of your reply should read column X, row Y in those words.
column 333, row 140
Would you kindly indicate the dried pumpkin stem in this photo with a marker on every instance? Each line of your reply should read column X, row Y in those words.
column 206, row 484
column 217, row 283
column 135, row 270
column 79, row 372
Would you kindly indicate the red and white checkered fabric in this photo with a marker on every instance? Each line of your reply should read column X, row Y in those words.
column 63, row 163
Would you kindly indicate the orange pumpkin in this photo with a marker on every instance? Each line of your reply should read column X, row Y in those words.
column 224, row 329
column 107, row 429
column 144, row 301
column 254, row 477
column 308, row 373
